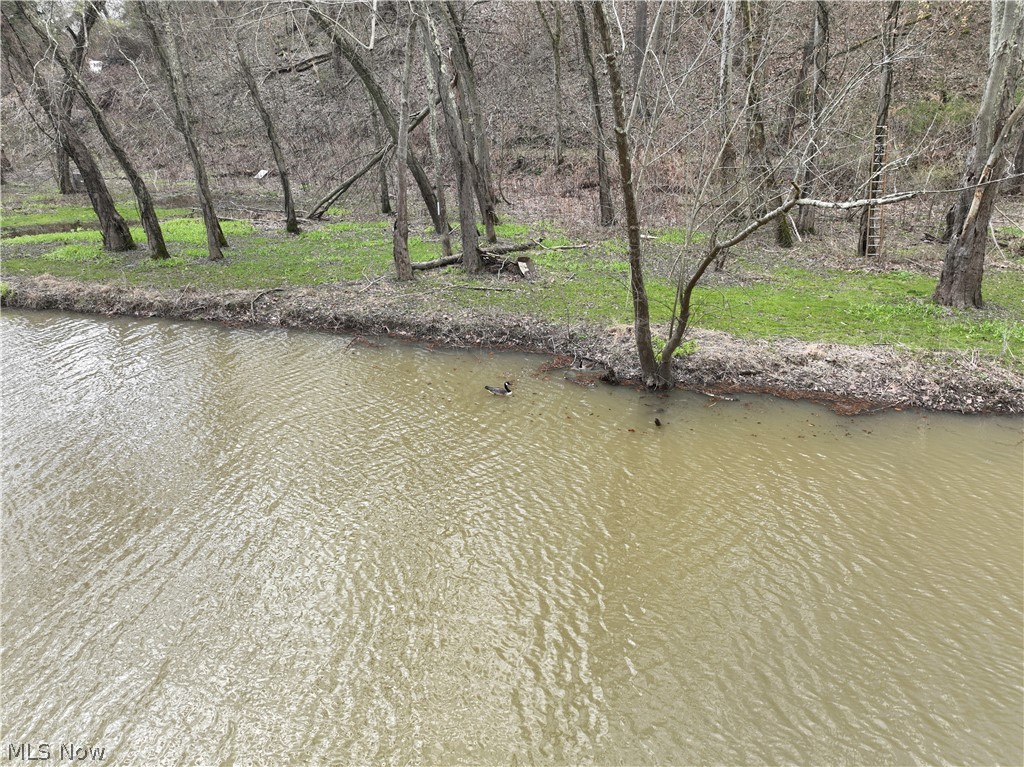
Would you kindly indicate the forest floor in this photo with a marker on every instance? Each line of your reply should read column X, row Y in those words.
column 810, row 322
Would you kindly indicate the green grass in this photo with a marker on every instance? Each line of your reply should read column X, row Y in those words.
column 937, row 116
column 681, row 236
column 857, row 308
column 59, row 214
column 574, row 285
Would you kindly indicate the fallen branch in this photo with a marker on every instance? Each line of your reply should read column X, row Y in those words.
column 437, row 262
column 503, row 249
column 252, row 304
column 485, row 252
column 302, row 66
column 334, row 195
column 542, row 246
column 889, row 200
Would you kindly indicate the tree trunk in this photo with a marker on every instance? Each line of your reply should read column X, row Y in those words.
column 1016, row 184
column 382, row 168
column 19, row 44
column 387, row 114
column 651, row 371
column 727, row 170
column 464, row 169
column 90, row 14
column 469, row 105
column 116, row 235
column 291, row 221
column 73, row 81
column 996, row 125
column 820, row 40
column 400, row 249
column 376, row 160
column 869, row 242
column 605, row 205
column 639, row 54
column 764, row 194
column 799, row 102
column 435, row 150
column 555, row 38
column 6, row 166
column 170, row 64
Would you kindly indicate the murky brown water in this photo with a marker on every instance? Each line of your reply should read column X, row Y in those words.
column 233, row 546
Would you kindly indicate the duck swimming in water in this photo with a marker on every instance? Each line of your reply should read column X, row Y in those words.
column 499, row 391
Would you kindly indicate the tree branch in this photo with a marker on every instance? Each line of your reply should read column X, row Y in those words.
column 889, row 200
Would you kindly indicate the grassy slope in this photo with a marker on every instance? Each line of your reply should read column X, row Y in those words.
column 787, row 298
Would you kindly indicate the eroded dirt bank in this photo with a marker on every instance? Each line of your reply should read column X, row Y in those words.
column 850, row 379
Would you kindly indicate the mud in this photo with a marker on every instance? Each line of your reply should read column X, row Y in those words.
column 848, row 379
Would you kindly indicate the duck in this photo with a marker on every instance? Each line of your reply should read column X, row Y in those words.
column 500, row 391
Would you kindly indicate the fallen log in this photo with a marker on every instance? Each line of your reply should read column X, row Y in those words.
column 335, row 194
column 523, row 266
column 437, row 263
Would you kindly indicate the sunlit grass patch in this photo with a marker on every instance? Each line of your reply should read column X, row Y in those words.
column 58, row 213
column 192, row 231
column 846, row 307
column 76, row 253
column 680, row 236
column 78, row 235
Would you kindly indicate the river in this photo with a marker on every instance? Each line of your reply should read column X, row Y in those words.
column 236, row 546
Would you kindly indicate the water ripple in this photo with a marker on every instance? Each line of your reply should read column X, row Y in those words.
column 242, row 546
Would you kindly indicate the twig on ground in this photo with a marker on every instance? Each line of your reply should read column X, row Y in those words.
column 258, row 296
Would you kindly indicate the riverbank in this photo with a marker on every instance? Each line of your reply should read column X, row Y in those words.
column 849, row 379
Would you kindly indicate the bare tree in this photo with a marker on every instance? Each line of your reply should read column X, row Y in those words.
column 869, row 241
column 170, row 65
column 347, row 49
column 637, row 286
column 435, row 149
column 400, row 248
column 727, row 169
column 640, row 32
column 382, row 168
column 476, row 131
column 605, row 205
column 554, row 29
column 25, row 55
column 447, row 81
column 89, row 14
column 73, row 82
column 994, row 128
column 291, row 221
column 764, row 192
column 819, row 47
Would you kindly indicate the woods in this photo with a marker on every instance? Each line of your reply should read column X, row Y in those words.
column 725, row 118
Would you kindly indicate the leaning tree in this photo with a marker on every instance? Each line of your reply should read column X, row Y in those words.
column 994, row 129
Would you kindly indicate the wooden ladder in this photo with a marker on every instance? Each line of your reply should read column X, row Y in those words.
column 876, row 188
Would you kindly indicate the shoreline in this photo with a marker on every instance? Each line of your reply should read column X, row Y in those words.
column 849, row 380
